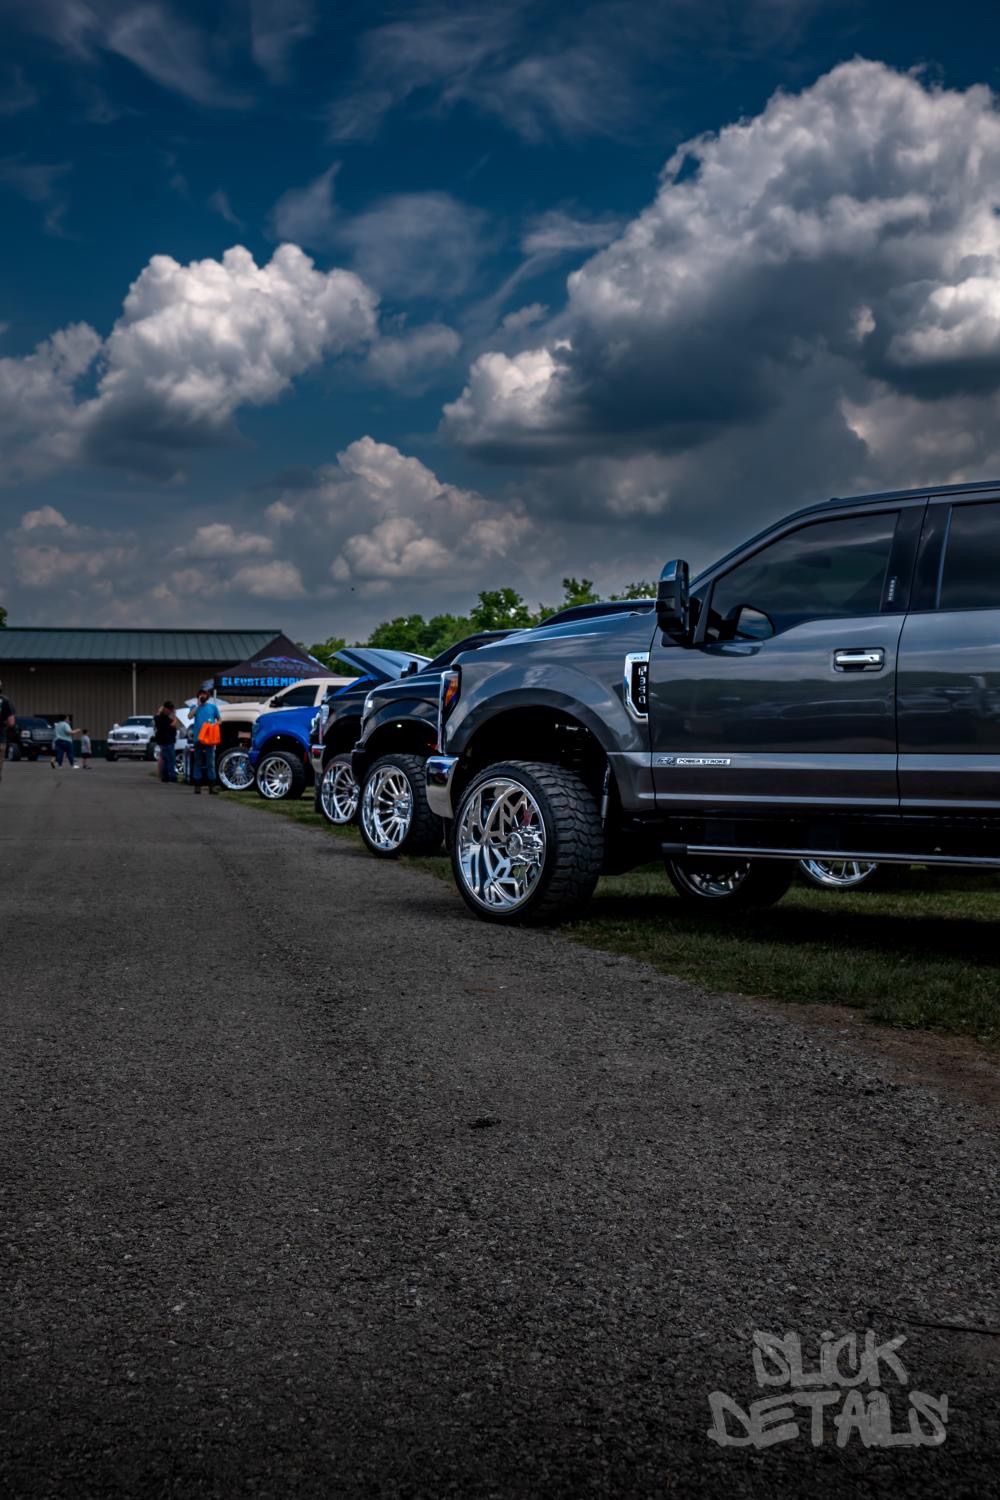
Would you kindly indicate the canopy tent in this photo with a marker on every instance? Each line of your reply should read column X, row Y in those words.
column 276, row 665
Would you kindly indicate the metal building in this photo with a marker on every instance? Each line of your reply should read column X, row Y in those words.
column 98, row 677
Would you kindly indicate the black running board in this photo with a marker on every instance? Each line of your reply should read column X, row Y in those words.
column 872, row 856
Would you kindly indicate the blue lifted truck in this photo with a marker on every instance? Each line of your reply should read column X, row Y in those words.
column 279, row 753
column 280, row 760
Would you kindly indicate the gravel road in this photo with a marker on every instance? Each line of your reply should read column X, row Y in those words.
column 315, row 1186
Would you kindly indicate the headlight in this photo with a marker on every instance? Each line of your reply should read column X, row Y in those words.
column 451, row 686
column 369, row 705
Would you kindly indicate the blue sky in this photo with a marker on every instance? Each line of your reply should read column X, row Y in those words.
column 319, row 313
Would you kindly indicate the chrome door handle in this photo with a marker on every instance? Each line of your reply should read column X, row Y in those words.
column 872, row 660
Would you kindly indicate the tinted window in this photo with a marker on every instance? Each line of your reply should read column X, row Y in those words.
column 826, row 570
column 299, row 697
column 971, row 577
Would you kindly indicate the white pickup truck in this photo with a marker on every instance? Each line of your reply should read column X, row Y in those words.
column 132, row 738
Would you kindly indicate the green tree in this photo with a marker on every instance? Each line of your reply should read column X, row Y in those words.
column 404, row 633
column 500, row 609
column 578, row 591
column 575, row 591
column 642, row 589
column 426, row 637
column 495, row 609
column 325, row 651
column 443, row 631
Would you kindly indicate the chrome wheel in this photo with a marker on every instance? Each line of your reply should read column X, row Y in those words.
column 387, row 808
column 274, row 778
column 718, row 884
column 339, row 792
column 235, row 771
column 838, row 874
column 500, row 845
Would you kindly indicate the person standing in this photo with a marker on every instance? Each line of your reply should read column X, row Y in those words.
column 165, row 735
column 206, row 734
column 6, row 726
column 62, row 736
column 85, row 749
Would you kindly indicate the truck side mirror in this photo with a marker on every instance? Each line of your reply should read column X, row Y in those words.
column 673, row 601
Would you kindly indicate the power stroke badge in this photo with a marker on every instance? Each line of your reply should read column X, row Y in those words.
column 700, row 762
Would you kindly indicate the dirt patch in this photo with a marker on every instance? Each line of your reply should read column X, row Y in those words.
column 927, row 1058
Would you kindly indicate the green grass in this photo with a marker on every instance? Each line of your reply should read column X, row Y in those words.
column 923, row 953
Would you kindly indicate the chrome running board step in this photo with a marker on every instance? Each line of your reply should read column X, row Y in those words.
column 895, row 857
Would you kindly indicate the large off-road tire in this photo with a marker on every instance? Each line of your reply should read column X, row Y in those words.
column 721, row 884
column 527, row 844
column 394, row 817
column 281, row 776
column 338, row 795
column 232, row 768
column 110, row 755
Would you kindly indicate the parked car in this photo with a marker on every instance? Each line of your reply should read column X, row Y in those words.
column 387, row 767
column 279, row 762
column 133, row 738
column 826, row 691
column 32, row 737
column 338, row 723
column 238, row 772
column 236, row 721
column 400, row 729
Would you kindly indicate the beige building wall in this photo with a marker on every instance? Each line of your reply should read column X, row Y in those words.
column 96, row 694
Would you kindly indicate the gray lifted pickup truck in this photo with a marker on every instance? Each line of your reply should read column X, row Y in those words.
column 828, row 690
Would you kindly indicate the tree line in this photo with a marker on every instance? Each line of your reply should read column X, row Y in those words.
column 495, row 609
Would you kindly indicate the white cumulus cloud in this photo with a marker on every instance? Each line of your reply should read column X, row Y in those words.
column 417, row 526
column 273, row 580
column 406, row 359
column 305, row 215
column 38, row 401
column 837, row 252
column 220, row 539
column 194, row 343
column 50, row 552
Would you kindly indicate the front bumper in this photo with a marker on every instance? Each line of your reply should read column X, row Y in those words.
column 439, row 772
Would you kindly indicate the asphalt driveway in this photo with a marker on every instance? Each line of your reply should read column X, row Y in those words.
column 312, row 1185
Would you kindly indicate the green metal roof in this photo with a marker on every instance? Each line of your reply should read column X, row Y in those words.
column 215, row 648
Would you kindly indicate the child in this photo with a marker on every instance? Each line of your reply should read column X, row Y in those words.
column 85, row 750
